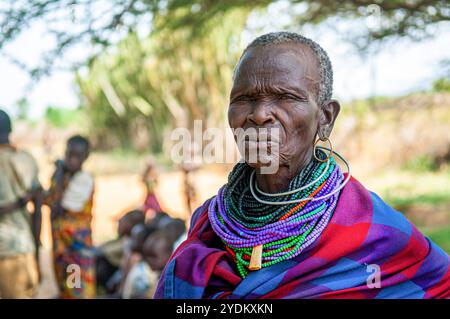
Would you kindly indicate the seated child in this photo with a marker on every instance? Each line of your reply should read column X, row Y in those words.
column 134, row 272
column 110, row 255
column 144, row 276
column 176, row 230
column 156, row 250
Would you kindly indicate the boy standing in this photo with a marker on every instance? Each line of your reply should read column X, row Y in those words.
column 71, row 198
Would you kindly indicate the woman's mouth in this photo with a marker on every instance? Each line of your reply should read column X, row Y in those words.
column 258, row 146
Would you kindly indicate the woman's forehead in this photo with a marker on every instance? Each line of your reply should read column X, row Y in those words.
column 277, row 65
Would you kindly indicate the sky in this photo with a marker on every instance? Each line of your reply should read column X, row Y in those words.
column 399, row 68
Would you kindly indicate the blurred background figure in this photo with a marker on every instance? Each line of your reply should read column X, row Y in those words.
column 70, row 198
column 190, row 164
column 110, row 255
column 47, row 142
column 131, row 270
column 19, row 231
column 152, row 252
column 188, row 187
column 150, row 179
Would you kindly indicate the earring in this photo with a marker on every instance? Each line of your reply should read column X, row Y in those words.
column 315, row 148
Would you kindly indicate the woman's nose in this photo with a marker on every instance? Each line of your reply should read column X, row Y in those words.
column 261, row 114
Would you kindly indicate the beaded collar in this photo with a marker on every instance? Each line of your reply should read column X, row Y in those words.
column 258, row 234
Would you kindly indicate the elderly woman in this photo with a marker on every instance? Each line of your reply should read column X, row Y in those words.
column 308, row 230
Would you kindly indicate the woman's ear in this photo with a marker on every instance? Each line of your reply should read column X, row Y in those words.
column 329, row 112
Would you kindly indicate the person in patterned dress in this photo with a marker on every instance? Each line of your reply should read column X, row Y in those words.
column 70, row 198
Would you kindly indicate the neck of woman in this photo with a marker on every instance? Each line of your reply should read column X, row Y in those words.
column 279, row 181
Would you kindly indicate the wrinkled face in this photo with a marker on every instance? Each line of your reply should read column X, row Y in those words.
column 157, row 251
column 76, row 154
column 276, row 87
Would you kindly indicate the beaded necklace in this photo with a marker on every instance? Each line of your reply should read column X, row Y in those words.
column 253, row 230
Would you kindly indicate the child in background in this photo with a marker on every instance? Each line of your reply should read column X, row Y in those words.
column 149, row 178
column 190, row 194
column 70, row 198
column 157, row 250
column 154, row 252
column 110, row 255
column 176, row 231
column 143, row 277
column 133, row 275
column 128, row 221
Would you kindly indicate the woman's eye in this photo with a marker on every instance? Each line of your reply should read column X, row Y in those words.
column 245, row 98
column 293, row 98
column 287, row 97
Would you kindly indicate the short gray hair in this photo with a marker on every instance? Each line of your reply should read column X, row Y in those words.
column 325, row 87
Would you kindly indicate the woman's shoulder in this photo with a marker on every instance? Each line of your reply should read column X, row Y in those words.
column 357, row 205
column 354, row 204
column 363, row 223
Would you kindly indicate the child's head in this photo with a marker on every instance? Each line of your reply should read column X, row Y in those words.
column 129, row 220
column 139, row 234
column 174, row 229
column 157, row 250
column 77, row 151
column 159, row 220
